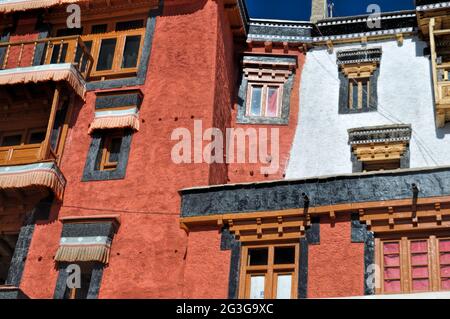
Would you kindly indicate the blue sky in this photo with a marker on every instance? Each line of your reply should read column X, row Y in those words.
column 301, row 9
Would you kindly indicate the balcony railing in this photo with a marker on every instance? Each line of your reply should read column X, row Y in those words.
column 70, row 49
column 24, row 154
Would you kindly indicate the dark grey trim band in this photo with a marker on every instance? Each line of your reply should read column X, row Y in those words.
column 20, row 255
column 303, row 269
column 112, row 100
column 228, row 242
column 369, row 260
column 8, row 293
column 41, row 211
column 145, row 57
column 91, row 174
column 285, row 194
column 360, row 234
column 106, row 229
column 358, row 230
column 313, row 233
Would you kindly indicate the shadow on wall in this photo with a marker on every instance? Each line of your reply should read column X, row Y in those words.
column 182, row 7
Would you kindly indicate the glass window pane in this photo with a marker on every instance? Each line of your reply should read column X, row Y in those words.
column 116, row 144
column 12, row 140
column 36, row 137
column 284, row 255
column 284, row 286
column 106, row 55
column 257, row 284
column 129, row 25
column 258, row 257
column 131, row 51
column 272, row 102
column 256, row 101
column 99, row 28
column 88, row 45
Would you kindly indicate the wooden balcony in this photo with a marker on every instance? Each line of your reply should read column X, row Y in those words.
column 439, row 34
column 24, row 154
column 70, row 49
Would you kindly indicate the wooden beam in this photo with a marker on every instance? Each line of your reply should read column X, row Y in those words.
column 433, row 57
column 45, row 150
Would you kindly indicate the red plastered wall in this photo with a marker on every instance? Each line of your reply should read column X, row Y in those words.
column 245, row 173
column 207, row 267
column 147, row 257
column 336, row 266
column 25, row 31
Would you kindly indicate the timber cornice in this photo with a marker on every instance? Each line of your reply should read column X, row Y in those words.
column 400, row 200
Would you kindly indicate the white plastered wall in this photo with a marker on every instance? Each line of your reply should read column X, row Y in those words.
column 404, row 97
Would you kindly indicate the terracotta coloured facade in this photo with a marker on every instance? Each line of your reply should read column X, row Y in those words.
column 140, row 225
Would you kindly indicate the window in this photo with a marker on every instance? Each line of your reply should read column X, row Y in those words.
column 106, row 55
column 381, row 165
column 115, row 46
column 11, row 139
column 108, row 157
column 99, row 28
column 129, row 25
column 85, row 282
column 358, row 73
column 414, row 265
column 24, row 137
column 8, row 244
column 131, row 51
column 269, row 272
column 265, row 100
column 359, row 97
column 36, row 136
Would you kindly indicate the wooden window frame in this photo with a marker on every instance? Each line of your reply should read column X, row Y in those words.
column 270, row 271
column 105, row 164
column 116, row 70
column 87, row 268
column 359, row 81
column 406, row 279
column 264, row 99
column 24, row 133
